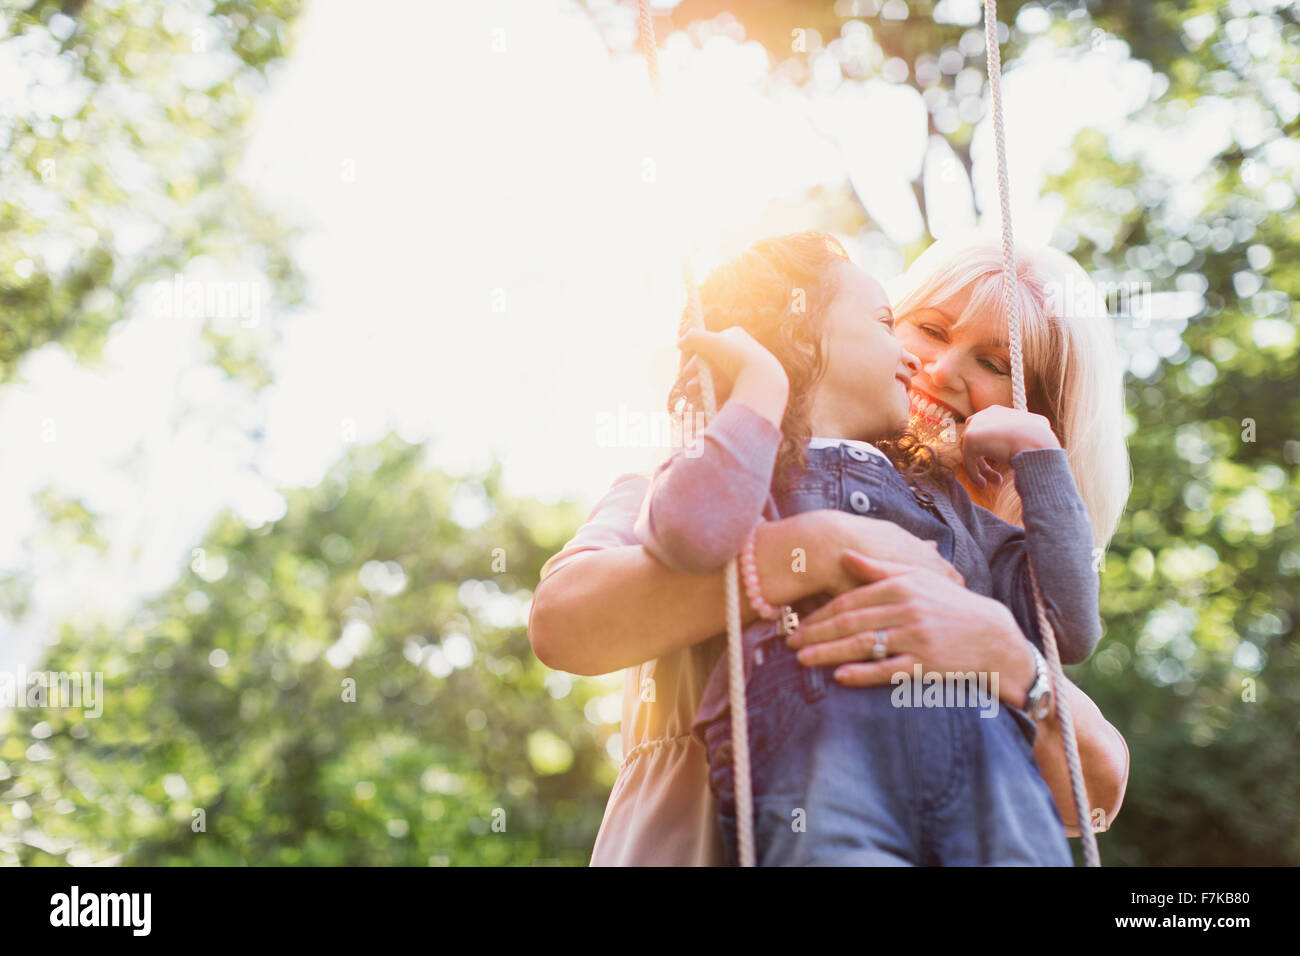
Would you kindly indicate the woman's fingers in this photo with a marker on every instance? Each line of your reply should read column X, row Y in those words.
column 874, row 673
column 869, row 570
column 861, row 623
column 854, row 647
column 882, row 592
column 877, row 569
column 874, row 608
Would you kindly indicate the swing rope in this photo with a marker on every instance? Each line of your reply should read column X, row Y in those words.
column 693, row 318
column 1011, row 301
column 735, row 659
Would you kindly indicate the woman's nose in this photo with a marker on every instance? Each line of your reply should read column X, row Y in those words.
column 942, row 368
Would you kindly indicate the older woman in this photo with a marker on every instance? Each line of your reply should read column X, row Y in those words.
column 604, row 603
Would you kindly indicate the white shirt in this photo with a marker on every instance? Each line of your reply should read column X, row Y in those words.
column 831, row 442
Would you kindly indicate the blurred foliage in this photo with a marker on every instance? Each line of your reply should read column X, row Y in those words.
column 230, row 694
column 1200, row 667
column 351, row 685
column 116, row 158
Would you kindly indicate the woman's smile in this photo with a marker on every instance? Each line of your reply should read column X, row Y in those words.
column 931, row 409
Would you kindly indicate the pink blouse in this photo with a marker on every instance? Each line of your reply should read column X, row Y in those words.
column 661, row 811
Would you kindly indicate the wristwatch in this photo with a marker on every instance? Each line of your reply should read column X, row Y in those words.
column 1040, row 700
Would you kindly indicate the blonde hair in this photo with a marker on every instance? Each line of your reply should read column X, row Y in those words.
column 1072, row 370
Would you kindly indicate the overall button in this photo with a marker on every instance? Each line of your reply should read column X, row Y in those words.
column 859, row 502
column 859, row 454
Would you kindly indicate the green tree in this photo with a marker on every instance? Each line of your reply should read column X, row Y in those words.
column 349, row 685
column 1201, row 667
column 117, row 159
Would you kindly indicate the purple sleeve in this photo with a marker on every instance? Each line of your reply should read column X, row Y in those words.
column 706, row 498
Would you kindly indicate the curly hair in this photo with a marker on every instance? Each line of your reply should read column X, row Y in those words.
column 779, row 290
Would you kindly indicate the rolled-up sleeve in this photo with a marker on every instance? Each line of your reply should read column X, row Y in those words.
column 609, row 525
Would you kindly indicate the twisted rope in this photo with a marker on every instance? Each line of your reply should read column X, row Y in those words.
column 694, row 319
column 1011, row 301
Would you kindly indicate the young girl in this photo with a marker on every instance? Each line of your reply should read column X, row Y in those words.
column 816, row 376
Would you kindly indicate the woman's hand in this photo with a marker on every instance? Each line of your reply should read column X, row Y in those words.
column 882, row 540
column 943, row 627
column 743, row 371
column 996, row 434
column 928, row 618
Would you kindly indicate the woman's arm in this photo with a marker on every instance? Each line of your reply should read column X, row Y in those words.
column 1103, row 754
column 614, row 607
column 947, row 628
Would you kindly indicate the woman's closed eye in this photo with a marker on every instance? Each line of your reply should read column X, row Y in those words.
column 938, row 335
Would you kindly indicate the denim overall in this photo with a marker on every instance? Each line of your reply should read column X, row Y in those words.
column 841, row 776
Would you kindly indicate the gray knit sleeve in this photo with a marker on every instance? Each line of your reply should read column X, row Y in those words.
column 1058, row 534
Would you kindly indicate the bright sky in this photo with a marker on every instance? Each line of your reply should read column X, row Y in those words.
column 448, row 177
column 489, row 267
